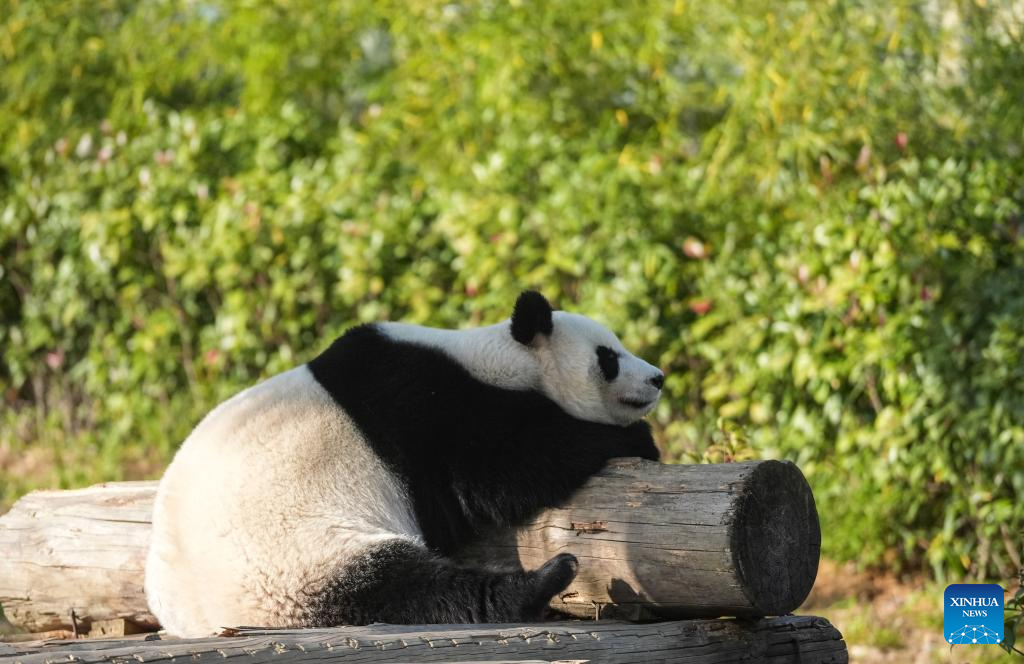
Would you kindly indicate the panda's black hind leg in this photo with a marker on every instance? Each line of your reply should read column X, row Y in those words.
column 402, row 583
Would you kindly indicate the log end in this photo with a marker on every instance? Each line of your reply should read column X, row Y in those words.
column 776, row 538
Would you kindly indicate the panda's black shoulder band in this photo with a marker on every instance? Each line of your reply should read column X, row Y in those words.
column 530, row 317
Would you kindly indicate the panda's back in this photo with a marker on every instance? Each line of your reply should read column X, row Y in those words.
column 277, row 464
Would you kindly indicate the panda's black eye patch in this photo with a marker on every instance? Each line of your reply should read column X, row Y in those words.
column 608, row 360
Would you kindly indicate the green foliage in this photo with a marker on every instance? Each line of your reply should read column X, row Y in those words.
column 809, row 214
column 1014, row 618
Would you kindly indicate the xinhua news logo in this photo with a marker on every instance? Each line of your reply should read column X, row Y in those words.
column 973, row 613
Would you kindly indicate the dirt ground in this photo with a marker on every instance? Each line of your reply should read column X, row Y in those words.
column 889, row 620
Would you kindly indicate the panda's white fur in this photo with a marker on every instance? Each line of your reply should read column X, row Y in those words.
column 278, row 492
column 260, row 503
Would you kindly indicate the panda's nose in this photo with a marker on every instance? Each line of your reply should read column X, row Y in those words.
column 657, row 380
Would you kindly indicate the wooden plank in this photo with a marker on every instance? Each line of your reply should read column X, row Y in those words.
column 785, row 640
column 654, row 542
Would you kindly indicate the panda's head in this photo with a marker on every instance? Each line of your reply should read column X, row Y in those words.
column 583, row 366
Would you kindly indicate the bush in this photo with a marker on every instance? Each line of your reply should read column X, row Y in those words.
column 810, row 216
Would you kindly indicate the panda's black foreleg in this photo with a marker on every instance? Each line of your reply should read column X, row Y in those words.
column 401, row 583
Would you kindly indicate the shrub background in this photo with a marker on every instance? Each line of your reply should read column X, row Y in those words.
column 808, row 213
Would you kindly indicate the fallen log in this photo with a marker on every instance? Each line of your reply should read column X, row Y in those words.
column 81, row 552
column 659, row 541
column 791, row 639
column 654, row 542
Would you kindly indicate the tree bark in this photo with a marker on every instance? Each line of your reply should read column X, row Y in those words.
column 791, row 639
column 654, row 542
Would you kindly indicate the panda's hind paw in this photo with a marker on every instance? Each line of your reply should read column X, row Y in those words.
column 557, row 573
column 551, row 578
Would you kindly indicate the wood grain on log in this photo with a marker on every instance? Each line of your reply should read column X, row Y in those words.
column 654, row 541
column 791, row 639
column 685, row 541
column 83, row 550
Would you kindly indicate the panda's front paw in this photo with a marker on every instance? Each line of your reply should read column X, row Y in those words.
column 638, row 442
column 646, row 449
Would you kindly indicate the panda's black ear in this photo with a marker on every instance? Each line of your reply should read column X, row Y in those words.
column 530, row 317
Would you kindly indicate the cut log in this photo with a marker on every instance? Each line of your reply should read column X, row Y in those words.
column 659, row 541
column 792, row 639
column 654, row 542
column 81, row 551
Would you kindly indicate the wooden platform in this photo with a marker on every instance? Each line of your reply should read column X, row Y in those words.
column 785, row 640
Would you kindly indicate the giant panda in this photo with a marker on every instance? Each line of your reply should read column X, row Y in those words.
column 334, row 493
